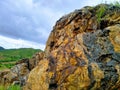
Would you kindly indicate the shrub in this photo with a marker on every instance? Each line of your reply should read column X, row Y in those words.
column 100, row 13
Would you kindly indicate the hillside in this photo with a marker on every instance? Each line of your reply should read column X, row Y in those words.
column 8, row 57
column 1, row 48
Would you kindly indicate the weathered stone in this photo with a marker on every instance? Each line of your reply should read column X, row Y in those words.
column 2, row 73
column 81, row 53
column 39, row 79
column 19, row 73
column 35, row 60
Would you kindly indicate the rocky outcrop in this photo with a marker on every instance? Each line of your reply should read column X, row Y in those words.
column 2, row 73
column 19, row 73
column 81, row 53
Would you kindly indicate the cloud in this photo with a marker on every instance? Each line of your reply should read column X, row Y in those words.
column 22, row 19
column 19, row 43
column 32, row 20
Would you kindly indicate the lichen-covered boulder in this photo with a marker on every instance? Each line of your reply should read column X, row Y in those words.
column 81, row 53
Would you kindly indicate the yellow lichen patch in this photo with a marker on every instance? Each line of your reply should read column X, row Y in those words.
column 66, row 41
column 54, row 53
column 68, row 30
column 115, row 17
column 117, row 84
column 78, row 54
column 58, row 76
column 62, row 62
column 92, row 24
column 117, row 67
column 97, row 72
column 67, row 49
column 38, row 77
column 61, row 39
column 79, row 78
column 115, row 37
column 51, row 74
column 72, row 88
column 73, row 61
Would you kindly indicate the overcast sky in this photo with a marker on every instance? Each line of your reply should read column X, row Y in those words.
column 28, row 23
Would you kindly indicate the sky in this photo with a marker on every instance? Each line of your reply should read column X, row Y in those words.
column 28, row 23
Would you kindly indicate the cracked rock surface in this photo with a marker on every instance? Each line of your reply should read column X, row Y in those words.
column 81, row 53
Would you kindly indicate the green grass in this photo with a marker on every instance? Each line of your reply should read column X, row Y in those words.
column 9, row 57
column 12, row 87
column 3, row 87
column 100, row 13
column 102, row 9
column 6, row 65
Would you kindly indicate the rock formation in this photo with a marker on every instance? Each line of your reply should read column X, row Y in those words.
column 19, row 73
column 81, row 53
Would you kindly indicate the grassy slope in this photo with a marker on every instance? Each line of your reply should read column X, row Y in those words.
column 9, row 57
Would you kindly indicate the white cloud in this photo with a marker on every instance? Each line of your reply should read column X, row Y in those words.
column 19, row 43
column 22, row 18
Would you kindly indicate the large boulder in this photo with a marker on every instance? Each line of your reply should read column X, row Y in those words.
column 82, row 53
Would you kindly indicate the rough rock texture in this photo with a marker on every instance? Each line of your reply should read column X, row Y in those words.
column 81, row 53
column 2, row 73
column 19, row 73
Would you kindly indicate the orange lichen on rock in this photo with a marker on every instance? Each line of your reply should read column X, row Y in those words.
column 81, row 53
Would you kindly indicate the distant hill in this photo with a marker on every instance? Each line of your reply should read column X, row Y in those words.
column 1, row 48
column 8, row 57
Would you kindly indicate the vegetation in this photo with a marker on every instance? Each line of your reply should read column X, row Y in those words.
column 116, row 4
column 12, row 87
column 9, row 57
column 100, row 13
column 6, row 65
